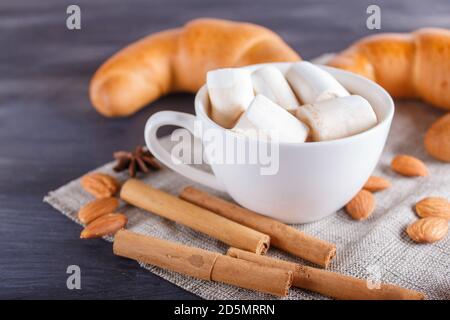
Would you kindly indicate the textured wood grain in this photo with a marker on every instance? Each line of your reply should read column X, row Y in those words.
column 49, row 134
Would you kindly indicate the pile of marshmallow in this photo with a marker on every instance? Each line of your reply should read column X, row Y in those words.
column 305, row 103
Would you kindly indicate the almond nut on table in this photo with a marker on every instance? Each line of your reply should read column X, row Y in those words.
column 375, row 183
column 106, row 225
column 97, row 208
column 100, row 185
column 433, row 207
column 428, row 230
column 361, row 206
column 409, row 166
column 437, row 139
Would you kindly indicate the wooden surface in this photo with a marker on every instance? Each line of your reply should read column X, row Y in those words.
column 49, row 134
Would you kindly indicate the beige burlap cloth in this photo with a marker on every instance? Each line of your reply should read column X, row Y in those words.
column 377, row 249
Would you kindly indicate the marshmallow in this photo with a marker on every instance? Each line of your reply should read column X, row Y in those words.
column 312, row 84
column 270, row 82
column 337, row 118
column 230, row 92
column 267, row 120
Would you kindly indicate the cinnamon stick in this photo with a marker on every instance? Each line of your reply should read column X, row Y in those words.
column 332, row 284
column 202, row 264
column 282, row 236
column 171, row 207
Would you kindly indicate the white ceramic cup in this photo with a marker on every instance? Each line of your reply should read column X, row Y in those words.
column 314, row 179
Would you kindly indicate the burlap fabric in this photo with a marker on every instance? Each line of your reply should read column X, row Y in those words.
column 375, row 249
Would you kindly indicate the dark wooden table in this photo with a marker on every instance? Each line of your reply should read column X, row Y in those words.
column 49, row 133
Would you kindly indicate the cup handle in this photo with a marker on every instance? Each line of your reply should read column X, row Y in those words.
column 186, row 121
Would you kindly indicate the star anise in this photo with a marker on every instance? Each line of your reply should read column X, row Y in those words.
column 140, row 160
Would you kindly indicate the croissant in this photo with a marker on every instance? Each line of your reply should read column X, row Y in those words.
column 411, row 65
column 415, row 65
column 177, row 60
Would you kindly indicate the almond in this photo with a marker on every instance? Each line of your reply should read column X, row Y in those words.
column 437, row 139
column 427, row 230
column 108, row 224
column 100, row 185
column 97, row 208
column 361, row 206
column 433, row 207
column 374, row 184
column 409, row 166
